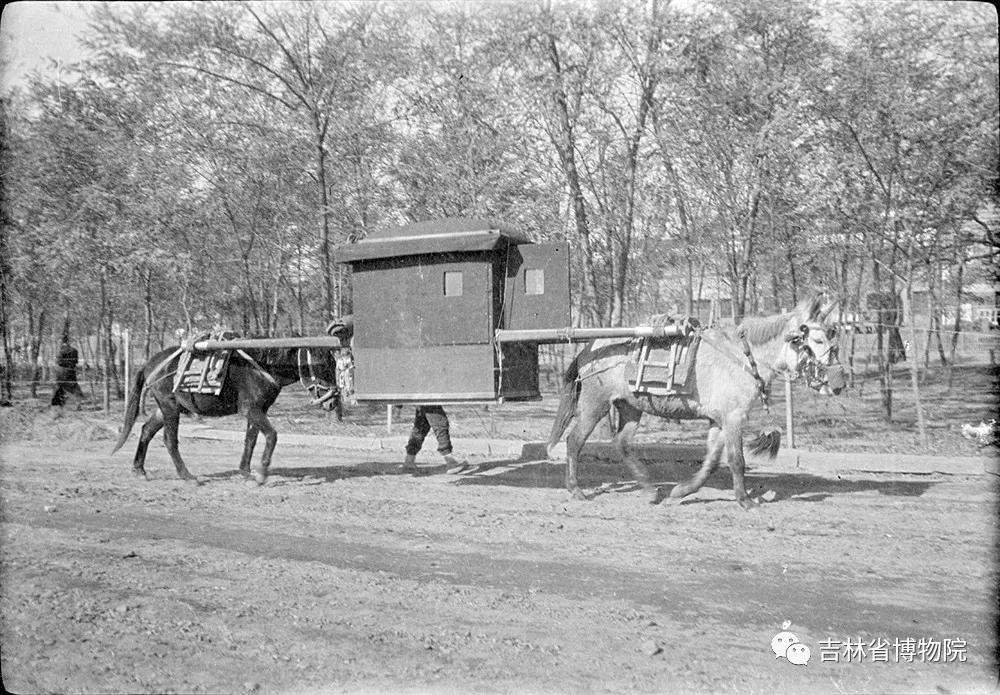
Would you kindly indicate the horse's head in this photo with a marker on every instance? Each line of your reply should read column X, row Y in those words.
column 318, row 373
column 814, row 350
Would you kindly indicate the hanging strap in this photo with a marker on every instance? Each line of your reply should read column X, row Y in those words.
column 253, row 363
column 161, row 365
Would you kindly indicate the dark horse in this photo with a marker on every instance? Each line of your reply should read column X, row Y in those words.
column 254, row 379
column 732, row 368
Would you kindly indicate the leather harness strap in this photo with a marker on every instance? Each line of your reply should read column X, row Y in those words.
column 761, row 386
column 750, row 366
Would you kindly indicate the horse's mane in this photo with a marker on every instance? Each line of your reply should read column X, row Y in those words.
column 274, row 357
column 767, row 328
column 271, row 357
column 764, row 329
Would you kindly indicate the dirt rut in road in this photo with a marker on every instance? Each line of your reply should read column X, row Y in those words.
column 342, row 575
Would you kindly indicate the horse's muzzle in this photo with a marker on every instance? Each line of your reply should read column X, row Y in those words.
column 835, row 379
column 828, row 381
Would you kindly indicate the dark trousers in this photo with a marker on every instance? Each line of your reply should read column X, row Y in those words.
column 66, row 388
column 426, row 418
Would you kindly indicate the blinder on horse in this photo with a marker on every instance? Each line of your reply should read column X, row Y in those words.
column 819, row 373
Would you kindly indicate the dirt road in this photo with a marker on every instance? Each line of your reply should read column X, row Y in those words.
column 345, row 575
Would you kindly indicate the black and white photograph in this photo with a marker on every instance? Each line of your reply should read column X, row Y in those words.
column 532, row 347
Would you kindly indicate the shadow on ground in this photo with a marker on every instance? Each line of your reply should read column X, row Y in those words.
column 327, row 474
column 601, row 477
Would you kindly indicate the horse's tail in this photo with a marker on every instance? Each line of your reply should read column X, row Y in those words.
column 567, row 403
column 132, row 409
column 767, row 442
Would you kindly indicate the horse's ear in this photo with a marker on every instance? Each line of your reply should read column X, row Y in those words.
column 827, row 309
column 815, row 307
column 809, row 308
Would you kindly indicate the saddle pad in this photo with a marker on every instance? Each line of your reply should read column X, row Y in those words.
column 661, row 366
column 202, row 372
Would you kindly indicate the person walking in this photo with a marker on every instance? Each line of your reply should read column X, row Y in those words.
column 427, row 418
column 66, row 383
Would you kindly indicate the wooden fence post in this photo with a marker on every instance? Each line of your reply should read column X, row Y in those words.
column 788, row 412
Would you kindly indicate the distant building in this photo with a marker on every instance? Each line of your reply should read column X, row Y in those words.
column 977, row 309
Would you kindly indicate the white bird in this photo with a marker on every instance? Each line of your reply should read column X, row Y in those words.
column 985, row 432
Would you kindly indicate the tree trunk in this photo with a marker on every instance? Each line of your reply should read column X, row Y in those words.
column 914, row 375
column 884, row 364
column 565, row 144
column 148, row 305
column 35, row 331
column 6, row 383
column 960, row 276
column 325, row 262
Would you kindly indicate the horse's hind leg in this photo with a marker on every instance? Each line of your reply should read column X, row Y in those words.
column 257, row 418
column 629, row 417
column 716, row 443
column 583, row 424
column 171, row 423
column 153, row 425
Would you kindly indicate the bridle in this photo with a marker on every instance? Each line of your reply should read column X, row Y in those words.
column 323, row 392
column 815, row 369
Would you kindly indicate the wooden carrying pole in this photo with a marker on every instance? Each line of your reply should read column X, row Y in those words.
column 581, row 335
column 327, row 341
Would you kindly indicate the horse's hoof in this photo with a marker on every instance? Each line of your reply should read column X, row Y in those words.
column 578, row 494
column 748, row 504
column 140, row 473
column 260, row 476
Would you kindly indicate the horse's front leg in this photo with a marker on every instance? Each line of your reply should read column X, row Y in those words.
column 713, row 456
column 257, row 419
column 249, row 442
column 738, row 464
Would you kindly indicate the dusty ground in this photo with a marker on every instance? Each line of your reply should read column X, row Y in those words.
column 345, row 575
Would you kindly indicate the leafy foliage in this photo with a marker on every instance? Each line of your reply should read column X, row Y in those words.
column 204, row 162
